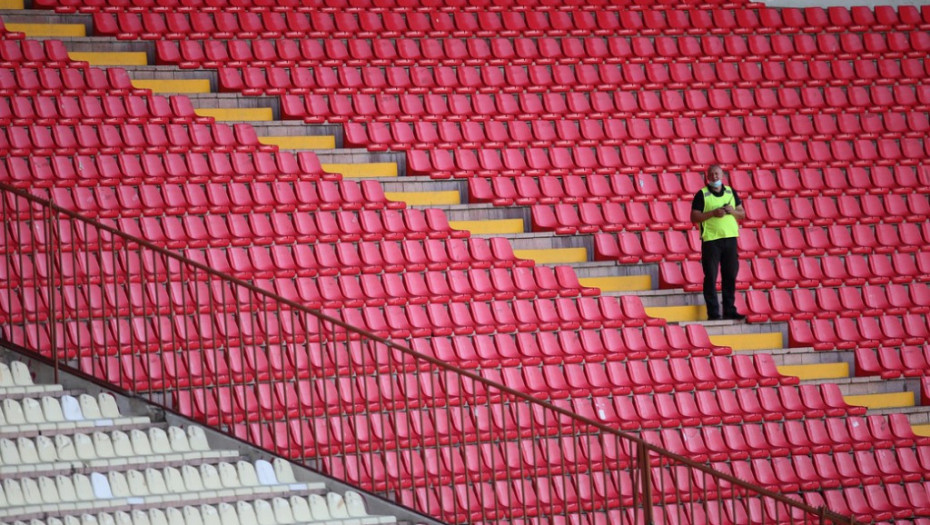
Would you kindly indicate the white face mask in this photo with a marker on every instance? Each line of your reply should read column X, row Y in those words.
column 717, row 184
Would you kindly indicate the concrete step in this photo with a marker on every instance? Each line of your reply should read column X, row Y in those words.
column 816, row 371
column 861, row 386
column 299, row 142
column 47, row 30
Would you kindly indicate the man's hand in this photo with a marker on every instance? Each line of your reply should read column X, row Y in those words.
column 720, row 212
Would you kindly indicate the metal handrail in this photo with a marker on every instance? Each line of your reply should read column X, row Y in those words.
column 649, row 455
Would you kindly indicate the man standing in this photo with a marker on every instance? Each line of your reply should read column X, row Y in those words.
column 718, row 210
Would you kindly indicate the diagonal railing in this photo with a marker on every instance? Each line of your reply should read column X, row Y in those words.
column 310, row 387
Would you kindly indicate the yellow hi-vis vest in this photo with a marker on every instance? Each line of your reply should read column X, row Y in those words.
column 719, row 227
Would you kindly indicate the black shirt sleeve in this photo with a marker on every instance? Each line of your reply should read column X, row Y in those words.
column 698, row 202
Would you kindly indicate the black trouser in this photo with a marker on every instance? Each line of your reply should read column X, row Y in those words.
column 722, row 254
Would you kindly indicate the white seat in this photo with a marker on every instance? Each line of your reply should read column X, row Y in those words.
column 140, row 442
column 21, row 374
column 64, row 447
column 48, row 490
column 173, row 480
column 89, row 407
column 30, row 490
column 336, row 506
column 32, row 410
column 228, row 476
column 191, row 477
column 2, row 417
column 318, row 507
column 107, row 404
column 66, row 490
column 355, row 504
column 83, row 487
column 227, row 514
column 105, row 518
column 155, row 481
column 89, row 519
column 51, row 520
column 84, row 447
column 48, row 453
column 246, row 513
column 119, row 486
column 197, row 439
column 6, row 376
column 246, row 474
column 27, row 451
column 5, row 500
column 174, row 516
column 140, row 517
column 13, row 412
column 283, row 471
column 157, row 517
column 191, row 515
column 282, row 511
column 9, row 452
column 122, row 518
column 159, row 440
column 210, row 476
column 137, row 485
column 177, row 440
column 122, row 445
column 72, row 520
column 103, row 445
column 52, row 409
column 70, row 408
column 210, row 515
column 100, row 486
column 301, row 509
column 265, row 472
column 263, row 512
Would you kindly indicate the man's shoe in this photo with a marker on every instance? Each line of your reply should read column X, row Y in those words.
column 713, row 317
column 735, row 317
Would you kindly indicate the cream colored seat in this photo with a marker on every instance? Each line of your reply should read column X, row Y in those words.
column 122, row 518
column 52, row 409
column 13, row 412
column 83, row 487
column 122, row 444
column 32, row 495
column 107, row 405
column 174, row 516
column 197, row 439
column 71, row 408
column 84, row 447
column 159, row 441
column 283, row 471
column 191, row 477
column 245, row 472
column 246, row 513
column 9, row 452
column 32, row 411
column 263, row 512
column 228, row 475
column 191, row 515
column 155, row 481
column 174, row 481
column 46, row 448
column 119, row 485
column 227, row 513
column 89, row 407
column 300, row 508
column 137, row 485
column 21, row 374
column 318, row 507
column 103, row 445
column 66, row 490
column 26, row 448
column 6, row 376
column 210, row 476
column 282, row 511
column 64, row 448
column 177, row 440
column 140, row 442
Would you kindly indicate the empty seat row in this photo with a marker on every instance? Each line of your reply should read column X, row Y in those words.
column 511, row 45
column 64, row 411
column 788, row 272
column 219, row 198
column 16, row 51
column 892, row 362
column 96, row 109
column 102, row 445
column 109, row 139
column 825, row 182
column 864, row 332
column 634, row 216
column 399, row 19
column 68, row 80
column 297, row 77
column 843, row 209
column 159, row 168
column 329, row 506
column 342, row 107
column 779, row 304
column 398, row 134
column 664, row 187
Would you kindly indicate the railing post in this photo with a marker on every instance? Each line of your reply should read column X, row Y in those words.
column 645, row 470
column 52, row 289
